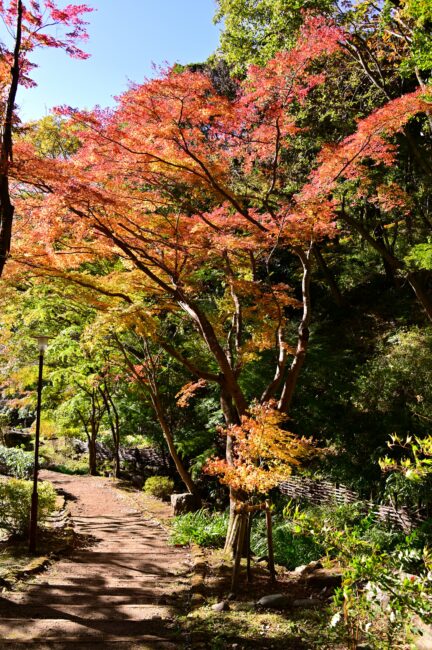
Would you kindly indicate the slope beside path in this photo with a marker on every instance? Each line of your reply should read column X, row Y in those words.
column 122, row 590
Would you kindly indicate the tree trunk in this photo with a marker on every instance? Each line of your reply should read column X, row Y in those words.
column 231, row 417
column 92, row 455
column 303, row 337
column 116, row 460
column 333, row 286
column 417, row 285
column 166, row 430
column 6, row 219
column 114, row 421
column 6, row 151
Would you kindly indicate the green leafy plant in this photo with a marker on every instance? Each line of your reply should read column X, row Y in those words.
column 377, row 600
column 159, row 486
column 290, row 549
column 203, row 527
column 16, row 462
column 409, row 479
column 15, row 503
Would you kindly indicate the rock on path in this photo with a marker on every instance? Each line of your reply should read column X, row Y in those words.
column 122, row 591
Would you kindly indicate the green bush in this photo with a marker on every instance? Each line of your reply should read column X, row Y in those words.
column 202, row 527
column 290, row 549
column 15, row 504
column 16, row 462
column 159, row 486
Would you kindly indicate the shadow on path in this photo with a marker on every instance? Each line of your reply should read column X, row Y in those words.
column 122, row 583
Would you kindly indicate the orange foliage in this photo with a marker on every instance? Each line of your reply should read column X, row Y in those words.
column 264, row 452
column 371, row 143
column 188, row 391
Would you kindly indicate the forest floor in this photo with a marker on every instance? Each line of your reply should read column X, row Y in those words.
column 122, row 586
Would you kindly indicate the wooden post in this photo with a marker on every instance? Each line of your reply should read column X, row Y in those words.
column 248, row 547
column 271, row 565
column 238, row 551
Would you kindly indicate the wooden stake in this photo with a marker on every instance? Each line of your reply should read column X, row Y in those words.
column 248, row 547
column 239, row 552
column 271, row 566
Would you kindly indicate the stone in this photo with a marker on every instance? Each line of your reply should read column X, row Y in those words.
column 183, row 503
column 223, row 606
column 275, row 601
column 16, row 438
column 424, row 640
column 300, row 569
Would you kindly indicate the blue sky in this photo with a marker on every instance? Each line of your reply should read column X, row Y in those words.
column 126, row 36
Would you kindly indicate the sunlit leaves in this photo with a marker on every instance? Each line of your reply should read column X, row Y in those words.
column 264, row 452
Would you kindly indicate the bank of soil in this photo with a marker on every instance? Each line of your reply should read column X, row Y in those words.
column 123, row 587
column 297, row 621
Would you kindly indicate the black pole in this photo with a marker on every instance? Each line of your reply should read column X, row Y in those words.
column 34, row 500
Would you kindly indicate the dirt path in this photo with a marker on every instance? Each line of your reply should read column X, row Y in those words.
column 121, row 591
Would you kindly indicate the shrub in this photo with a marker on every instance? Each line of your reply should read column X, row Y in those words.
column 16, row 462
column 15, row 504
column 290, row 549
column 159, row 486
column 202, row 527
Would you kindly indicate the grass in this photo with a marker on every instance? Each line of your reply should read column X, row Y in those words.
column 290, row 549
column 302, row 630
column 71, row 467
column 203, row 527
column 208, row 529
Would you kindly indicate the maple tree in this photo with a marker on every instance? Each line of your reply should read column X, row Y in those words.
column 386, row 54
column 186, row 188
column 28, row 25
column 202, row 184
column 192, row 197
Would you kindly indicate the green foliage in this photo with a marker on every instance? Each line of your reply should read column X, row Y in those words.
column 378, row 598
column 52, row 137
column 15, row 504
column 202, row 527
column 254, row 31
column 396, row 381
column 342, row 530
column 377, row 601
column 420, row 256
column 16, row 462
column 409, row 479
column 290, row 549
column 159, row 486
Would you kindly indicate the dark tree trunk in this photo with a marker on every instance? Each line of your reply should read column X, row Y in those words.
column 92, row 455
column 330, row 279
column 6, row 152
column 236, row 496
column 114, row 422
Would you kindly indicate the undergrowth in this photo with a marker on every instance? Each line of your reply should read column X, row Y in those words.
column 203, row 527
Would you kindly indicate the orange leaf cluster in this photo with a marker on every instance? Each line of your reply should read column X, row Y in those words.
column 264, row 452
